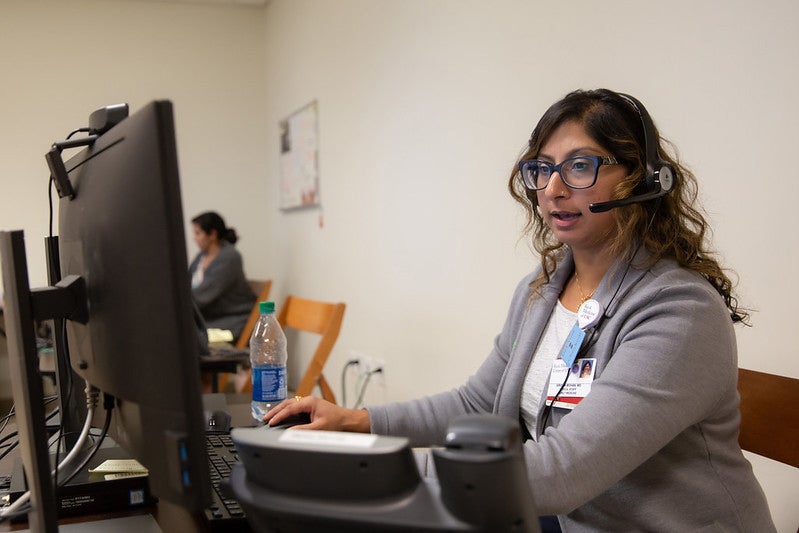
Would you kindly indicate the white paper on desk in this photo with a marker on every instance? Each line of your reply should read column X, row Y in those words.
column 219, row 335
column 118, row 465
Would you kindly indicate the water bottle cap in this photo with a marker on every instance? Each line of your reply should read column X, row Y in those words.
column 266, row 307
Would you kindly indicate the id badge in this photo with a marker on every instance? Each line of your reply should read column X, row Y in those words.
column 580, row 377
column 578, row 374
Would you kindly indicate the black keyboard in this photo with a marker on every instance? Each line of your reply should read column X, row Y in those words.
column 228, row 351
column 225, row 513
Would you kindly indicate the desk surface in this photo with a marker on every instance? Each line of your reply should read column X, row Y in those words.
column 169, row 517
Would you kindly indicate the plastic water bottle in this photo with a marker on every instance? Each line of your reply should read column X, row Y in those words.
column 268, row 362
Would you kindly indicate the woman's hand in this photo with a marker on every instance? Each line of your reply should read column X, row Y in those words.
column 324, row 415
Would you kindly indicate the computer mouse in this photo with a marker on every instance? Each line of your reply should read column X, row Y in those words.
column 292, row 420
column 217, row 421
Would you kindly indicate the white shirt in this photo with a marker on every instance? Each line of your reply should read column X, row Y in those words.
column 557, row 330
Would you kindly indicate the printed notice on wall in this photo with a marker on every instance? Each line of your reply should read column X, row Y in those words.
column 299, row 153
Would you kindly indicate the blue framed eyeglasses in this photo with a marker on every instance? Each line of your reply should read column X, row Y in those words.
column 576, row 172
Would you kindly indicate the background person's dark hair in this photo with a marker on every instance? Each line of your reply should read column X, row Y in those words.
column 211, row 221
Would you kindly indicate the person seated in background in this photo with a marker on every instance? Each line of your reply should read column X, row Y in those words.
column 218, row 284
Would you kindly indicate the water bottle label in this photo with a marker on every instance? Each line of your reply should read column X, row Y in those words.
column 269, row 383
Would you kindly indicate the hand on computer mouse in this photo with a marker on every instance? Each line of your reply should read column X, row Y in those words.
column 323, row 415
column 299, row 419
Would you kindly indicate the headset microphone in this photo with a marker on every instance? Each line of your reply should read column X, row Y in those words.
column 665, row 182
column 659, row 178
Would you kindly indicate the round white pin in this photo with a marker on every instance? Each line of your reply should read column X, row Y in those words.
column 588, row 314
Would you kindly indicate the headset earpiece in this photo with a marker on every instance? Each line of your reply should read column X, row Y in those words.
column 659, row 175
column 659, row 181
column 659, row 178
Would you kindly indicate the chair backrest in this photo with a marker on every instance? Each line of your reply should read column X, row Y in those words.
column 314, row 316
column 261, row 288
column 769, row 415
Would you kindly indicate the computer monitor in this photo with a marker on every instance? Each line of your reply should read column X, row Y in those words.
column 123, row 258
column 125, row 294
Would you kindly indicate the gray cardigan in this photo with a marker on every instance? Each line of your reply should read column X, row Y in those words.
column 224, row 297
column 654, row 445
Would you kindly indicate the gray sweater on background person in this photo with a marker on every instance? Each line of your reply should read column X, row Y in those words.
column 224, row 297
column 654, row 445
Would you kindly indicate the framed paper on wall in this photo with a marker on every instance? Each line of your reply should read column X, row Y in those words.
column 299, row 154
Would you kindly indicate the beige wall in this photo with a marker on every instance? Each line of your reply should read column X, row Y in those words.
column 62, row 60
column 423, row 107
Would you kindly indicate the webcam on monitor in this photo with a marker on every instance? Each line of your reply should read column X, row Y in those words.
column 100, row 121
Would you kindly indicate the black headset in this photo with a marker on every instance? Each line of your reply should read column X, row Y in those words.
column 659, row 178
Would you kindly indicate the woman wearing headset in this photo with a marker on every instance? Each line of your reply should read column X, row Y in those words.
column 651, row 442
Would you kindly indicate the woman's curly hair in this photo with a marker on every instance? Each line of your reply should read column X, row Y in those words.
column 678, row 227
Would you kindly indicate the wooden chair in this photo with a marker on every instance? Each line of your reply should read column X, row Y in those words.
column 262, row 289
column 313, row 316
column 769, row 415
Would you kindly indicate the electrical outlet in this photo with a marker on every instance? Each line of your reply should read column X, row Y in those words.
column 370, row 365
column 370, row 380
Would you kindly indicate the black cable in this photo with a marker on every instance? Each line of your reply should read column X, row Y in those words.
column 24, row 510
column 79, row 130
column 8, row 437
column 7, row 418
column 91, row 454
column 583, row 349
column 14, row 433
column 363, row 387
column 6, row 448
column 591, row 340
column 344, row 380
column 52, row 179
column 50, row 201
column 9, row 449
column 62, row 433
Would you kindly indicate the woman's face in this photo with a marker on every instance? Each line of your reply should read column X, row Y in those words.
column 565, row 210
column 202, row 239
